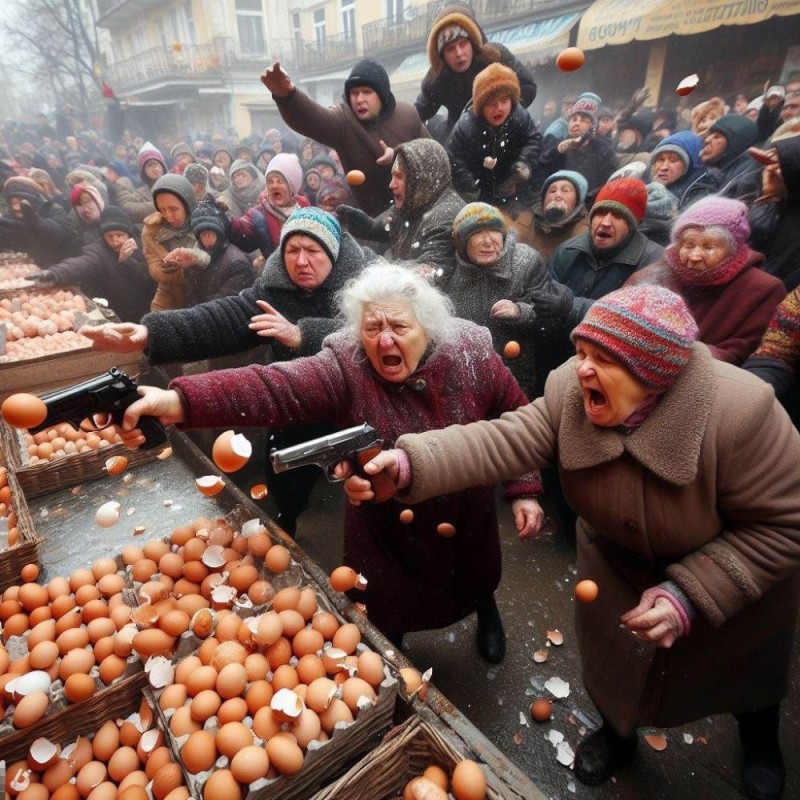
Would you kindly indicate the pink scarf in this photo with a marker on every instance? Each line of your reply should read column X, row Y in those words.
column 716, row 276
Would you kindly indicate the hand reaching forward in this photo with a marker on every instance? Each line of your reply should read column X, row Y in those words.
column 164, row 404
column 277, row 80
column 358, row 489
column 272, row 324
column 119, row 337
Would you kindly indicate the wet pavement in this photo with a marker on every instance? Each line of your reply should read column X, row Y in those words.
column 535, row 595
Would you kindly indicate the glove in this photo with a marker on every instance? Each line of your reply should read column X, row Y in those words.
column 45, row 279
column 521, row 170
column 357, row 222
column 28, row 214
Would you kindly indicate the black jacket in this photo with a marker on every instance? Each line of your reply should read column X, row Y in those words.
column 229, row 272
column 45, row 235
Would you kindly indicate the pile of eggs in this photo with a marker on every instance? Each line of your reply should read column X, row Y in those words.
column 16, row 271
column 61, row 641
column 468, row 782
column 124, row 760
column 11, row 537
column 63, row 440
column 44, row 346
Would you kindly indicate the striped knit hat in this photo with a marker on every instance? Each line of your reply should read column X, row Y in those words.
column 476, row 217
column 316, row 223
column 648, row 329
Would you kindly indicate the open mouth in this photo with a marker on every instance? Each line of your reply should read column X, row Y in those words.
column 595, row 400
column 602, row 234
column 391, row 361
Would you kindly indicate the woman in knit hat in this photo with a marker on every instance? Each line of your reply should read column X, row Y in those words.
column 246, row 185
column 395, row 363
column 495, row 145
column 88, row 205
column 676, row 164
column 683, row 470
column 229, row 270
column 139, row 203
column 168, row 242
column 290, row 309
column 720, row 278
column 457, row 52
column 260, row 227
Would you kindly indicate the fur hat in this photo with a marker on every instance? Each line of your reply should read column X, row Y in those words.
column 492, row 82
column 588, row 107
column 24, row 189
column 715, row 106
column 316, row 223
column 717, row 212
column 647, row 328
column 288, row 165
column 625, row 196
column 575, row 178
column 114, row 218
column 248, row 166
column 476, row 217
column 369, row 72
column 461, row 17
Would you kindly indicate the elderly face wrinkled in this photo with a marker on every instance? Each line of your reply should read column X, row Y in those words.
column 610, row 391
column 484, row 247
column 393, row 339
column 700, row 249
column 560, row 200
column 280, row 195
column 306, row 261
column 667, row 168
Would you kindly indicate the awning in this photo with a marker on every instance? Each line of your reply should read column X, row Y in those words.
column 538, row 41
column 622, row 21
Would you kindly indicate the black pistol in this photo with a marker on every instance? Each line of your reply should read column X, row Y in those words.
column 356, row 445
column 98, row 403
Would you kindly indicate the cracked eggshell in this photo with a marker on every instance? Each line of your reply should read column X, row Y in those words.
column 209, row 485
column 231, row 451
column 107, row 515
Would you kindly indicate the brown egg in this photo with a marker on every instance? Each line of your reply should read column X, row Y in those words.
column 76, row 660
column 167, row 778
column 586, row 591
column 111, row 668
column 343, row 578
column 231, row 680
column 285, row 755
column 153, row 642
column 204, row 705
column 259, row 693
column 307, row 642
column 293, row 622
column 79, row 687
column 174, row 622
column 109, row 585
column 468, row 781
column 568, row 60
column 279, row 653
column 406, row 516
column 43, row 655
column 541, row 710
column 233, row 710
column 512, row 349
column 30, row 572
column 326, row 623
column 277, row 559
column 221, row 785
column 90, row 775
column 33, row 595
column 233, row 736
column 437, row 775
column 199, row 752
column 181, row 722
column 158, row 758
column 347, row 637
column 173, row 696
column 30, row 709
column 353, row 689
column 370, row 668
column 23, row 410
column 209, row 485
column 231, row 451
column 122, row 761
column 355, row 177
column 250, row 764
column 446, row 529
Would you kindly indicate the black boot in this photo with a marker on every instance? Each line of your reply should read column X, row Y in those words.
column 763, row 773
column 600, row 753
column 491, row 636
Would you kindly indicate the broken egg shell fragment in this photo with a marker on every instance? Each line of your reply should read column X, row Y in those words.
column 209, row 485
column 557, row 687
column 108, row 514
column 687, row 85
column 361, row 582
column 213, row 556
column 231, row 451
column 252, row 527
column 540, row 656
column 36, row 681
column 223, row 594
column 139, row 530
column 259, row 491
column 656, row 740
column 21, row 781
column 159, row 671
column 164, row 454
column 555, row 637
column 116, row 465
column 287, row 705
column 43, row 753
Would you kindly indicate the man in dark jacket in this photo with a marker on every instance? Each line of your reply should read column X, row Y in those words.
column 363, row 129
column 419, row 226
column 291, row 306
column 725, row 147
column 457, row 52
column 35, row 225
column 113, row 268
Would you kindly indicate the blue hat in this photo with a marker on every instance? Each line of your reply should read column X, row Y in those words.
column 575, row 178
column 316, row 223
column 685, row 144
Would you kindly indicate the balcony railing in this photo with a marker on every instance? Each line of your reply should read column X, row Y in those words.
column 334, row 50
column 159, row 63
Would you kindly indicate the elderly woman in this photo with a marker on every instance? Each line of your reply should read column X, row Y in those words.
column 291, row 306
column 683, row 470
column 719, row 277
column 247, row 184
column 503, row 285
column 402, row 361
column 675, row 163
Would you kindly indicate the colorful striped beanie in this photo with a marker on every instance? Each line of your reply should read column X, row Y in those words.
column 317, row 224
column 648, row 329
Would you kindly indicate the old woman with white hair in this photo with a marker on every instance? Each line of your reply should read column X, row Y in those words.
column 402, row 362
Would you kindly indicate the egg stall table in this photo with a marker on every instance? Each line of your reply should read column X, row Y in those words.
column 158, row 496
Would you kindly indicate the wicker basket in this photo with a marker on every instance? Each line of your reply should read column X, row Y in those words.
column 27, row 551
column 81, row 719
column 404, row 754
column 68, row 471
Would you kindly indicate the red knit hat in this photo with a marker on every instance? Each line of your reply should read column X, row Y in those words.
column 86, row 188
column 647, row 328
column 626, row 196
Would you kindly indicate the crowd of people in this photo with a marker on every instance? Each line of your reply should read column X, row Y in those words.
column 476, row 250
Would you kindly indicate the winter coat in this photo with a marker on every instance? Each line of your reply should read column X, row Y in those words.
column 705, row 492
column 45, row 234
column 775, row 222
column 138, row 203
column 220, row 327
column 472, row 140
column 260, row 228
column 126, row 285
column 595, row 161
column 699, row 182
column 545, row 236
column 520, row 275
column 731, row 318
column 453, row 90
column 158, row 239
column 121, row 188
column 240, row 202
column 418, row 579
column 228, row 273
column 356, row 142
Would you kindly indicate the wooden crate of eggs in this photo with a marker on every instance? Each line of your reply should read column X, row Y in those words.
column 42, row 348
column 19, row 544
column 61, row 456
column 277, row 694
column 123, row 758
column 66, row 653
column 418, row 761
